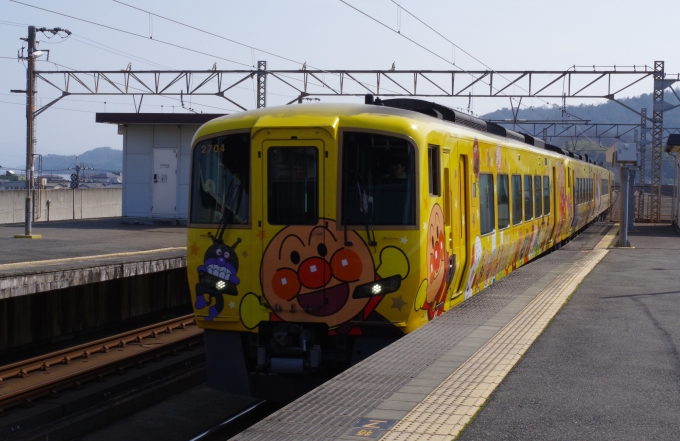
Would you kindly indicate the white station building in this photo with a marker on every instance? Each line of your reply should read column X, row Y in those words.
column 156, row 164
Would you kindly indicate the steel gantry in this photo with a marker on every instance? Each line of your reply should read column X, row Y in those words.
column 581, row 83
column 575, row 128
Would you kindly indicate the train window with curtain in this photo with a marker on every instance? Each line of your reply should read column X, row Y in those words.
column 487, row 216
column 378, row 180
column 516, row 199
column 220, row 188
column 433, row 173
column 528, row 199
column 538, row 196
column 503, row 193
column 546, row 195
column 293, row 185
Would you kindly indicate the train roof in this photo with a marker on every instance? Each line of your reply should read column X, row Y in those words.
column 419, row 110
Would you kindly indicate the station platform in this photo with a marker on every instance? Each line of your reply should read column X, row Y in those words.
column 504, row 365
column 72, row 253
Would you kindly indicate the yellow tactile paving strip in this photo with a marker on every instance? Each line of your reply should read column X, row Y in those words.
column 608, row 240
column 447, row 409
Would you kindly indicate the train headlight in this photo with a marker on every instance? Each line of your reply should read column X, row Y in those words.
column 217, row 284
column 377, row 288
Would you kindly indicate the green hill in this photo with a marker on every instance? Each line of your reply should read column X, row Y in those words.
column 100, row 158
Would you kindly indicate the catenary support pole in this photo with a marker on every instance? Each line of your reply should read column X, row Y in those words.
column 623, row 231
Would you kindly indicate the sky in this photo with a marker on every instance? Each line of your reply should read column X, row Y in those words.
column 324, row 34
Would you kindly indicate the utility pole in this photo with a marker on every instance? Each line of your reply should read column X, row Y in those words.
column 33, row 53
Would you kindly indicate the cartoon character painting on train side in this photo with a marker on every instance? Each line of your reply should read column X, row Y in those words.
column 432, row 291
column 219, row 268
column 309, row 274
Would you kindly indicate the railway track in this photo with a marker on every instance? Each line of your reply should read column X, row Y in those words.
column 28, row 380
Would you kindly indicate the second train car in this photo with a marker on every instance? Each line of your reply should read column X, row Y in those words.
column 320, row 233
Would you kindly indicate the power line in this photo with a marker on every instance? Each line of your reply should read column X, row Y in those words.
column 211, row 33
column 144, row 37
column 432, row 52
column 230, row 40
column 131, row 33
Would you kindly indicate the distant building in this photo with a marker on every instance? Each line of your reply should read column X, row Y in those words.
column 107, row 178
column 156, row 163
column 13, row 185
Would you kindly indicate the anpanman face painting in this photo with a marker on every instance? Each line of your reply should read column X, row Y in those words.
column 309, row 275
column 436, row 253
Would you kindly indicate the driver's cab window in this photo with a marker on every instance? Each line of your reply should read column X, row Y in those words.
column 378, row 180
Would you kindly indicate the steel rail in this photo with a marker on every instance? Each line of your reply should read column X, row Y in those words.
column 22, row 382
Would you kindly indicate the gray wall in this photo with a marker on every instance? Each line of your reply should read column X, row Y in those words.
column 139, row 142
column 64, row 204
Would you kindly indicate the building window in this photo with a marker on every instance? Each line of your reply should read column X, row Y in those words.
column 528, row 199
column 487, row 217
column 433, row 170
column 503, row 202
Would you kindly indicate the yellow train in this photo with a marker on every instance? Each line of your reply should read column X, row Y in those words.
column 320, row 233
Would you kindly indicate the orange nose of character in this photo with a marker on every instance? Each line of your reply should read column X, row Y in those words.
column 314, row 273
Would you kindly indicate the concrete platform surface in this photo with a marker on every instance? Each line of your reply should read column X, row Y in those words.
column 72, row 253
column 63, row 239
column 608, row 366
column 429, row 384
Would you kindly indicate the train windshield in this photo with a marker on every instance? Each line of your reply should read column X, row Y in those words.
column 378, row 180
column 221, row 180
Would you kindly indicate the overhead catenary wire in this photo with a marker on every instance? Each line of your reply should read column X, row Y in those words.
column 432, row 52
column 148, row 39
column 253, row 48
column 130, row 33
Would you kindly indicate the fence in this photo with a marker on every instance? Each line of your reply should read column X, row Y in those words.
column 643, row 203
column 50, row 205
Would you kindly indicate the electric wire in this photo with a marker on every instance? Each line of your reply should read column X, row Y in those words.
column 239, row 43
column 130, row 33
column 442, row 58
column 151, row 39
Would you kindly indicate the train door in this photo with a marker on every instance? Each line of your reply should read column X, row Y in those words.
column 452, row 250
column 574, row 199
column 462, row 230
column 555, row 208
column 293, row 229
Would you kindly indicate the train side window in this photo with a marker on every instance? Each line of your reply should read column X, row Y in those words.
column 546, row 195
column 605, row 187
column 590, row 188
column 516, row 199
column 579, row 194
column 433, row 168
column 528, row 199
column 487, row 217
column 293, row 185
column 503, row 202
column 537, row 196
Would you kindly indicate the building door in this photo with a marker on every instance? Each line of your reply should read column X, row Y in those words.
column 164, row 203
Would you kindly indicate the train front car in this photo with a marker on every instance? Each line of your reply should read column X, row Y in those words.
column 305, row 252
